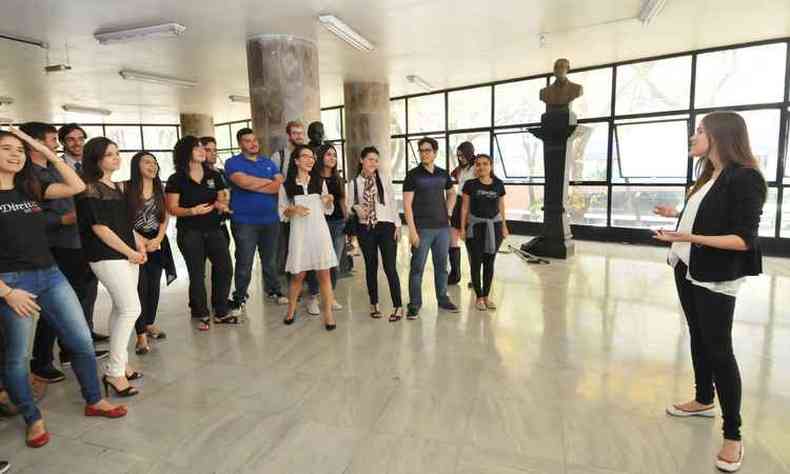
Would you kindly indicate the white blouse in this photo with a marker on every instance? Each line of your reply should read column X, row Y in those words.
column 387, row 212
column 681, row 251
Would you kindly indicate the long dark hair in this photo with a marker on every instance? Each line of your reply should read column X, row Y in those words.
column 320, row 164
column 92, row 155
column 490, row 161
column 290, row 185
column 728, row 133
column 182, row 153
column 25, row 180
column 365, row 152
column 134, row 192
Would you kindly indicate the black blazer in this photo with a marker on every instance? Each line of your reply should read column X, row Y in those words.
column 733, row 205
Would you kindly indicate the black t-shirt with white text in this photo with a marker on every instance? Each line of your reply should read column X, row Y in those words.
column 192, row 194
column 23, row 234
column 430, row 204
column 484, row 198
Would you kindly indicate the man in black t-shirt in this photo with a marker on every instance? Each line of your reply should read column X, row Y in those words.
column 427, row 196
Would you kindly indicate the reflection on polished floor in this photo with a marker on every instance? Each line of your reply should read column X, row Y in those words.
column 569, row 376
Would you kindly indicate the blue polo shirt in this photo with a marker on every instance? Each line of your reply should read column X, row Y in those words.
column 252, row 207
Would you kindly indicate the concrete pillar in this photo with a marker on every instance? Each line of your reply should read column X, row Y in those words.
column 284, row 86
column 367, row 111
column 198, row 125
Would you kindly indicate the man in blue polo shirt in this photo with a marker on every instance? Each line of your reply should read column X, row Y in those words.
column 255, row 182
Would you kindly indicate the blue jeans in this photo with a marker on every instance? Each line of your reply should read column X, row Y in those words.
column 61, row 309
column 265, row 238
column 336, row 230
column 438, row 242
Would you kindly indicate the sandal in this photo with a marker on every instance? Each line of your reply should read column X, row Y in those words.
column 157, row 335
column 203, row 325
column 227, row 319
column 376, row 314
column 396, row 315
column 141, row 350
column 134, row 375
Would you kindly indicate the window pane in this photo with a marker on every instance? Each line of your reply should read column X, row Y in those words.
column 524, row 203
column 222, row 135
column 481, row 141
column 398, row 117
column 414, row 152
column 633, row 206
column 518, row 157
column 589, row 152
column 597, row 98
column 426, row 113
column 470, row 108
column 166, row 167
column 224, row 155
column 650, row 152
column 93, row 131
column 332, row 119
column 587, row 205
column 740, row 76
column 398, row 159
column 127, row 137
column 654, row 86
column 763, row 127
column 159, row 138
column 519, row 102
column 124, row 171
column 785, row 231
column 768, row 219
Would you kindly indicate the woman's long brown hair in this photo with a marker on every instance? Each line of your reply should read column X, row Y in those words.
column 134, row 192
column 727, row 133
column 26, row 180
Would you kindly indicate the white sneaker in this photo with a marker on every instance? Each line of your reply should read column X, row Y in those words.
column 727, row 466
column 282, row 300
column 673, row 410
column 312, row 306
column 336, row 306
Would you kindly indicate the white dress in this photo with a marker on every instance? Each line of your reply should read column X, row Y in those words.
column 310, row 243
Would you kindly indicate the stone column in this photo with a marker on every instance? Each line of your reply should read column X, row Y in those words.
column 283, row 74
column 198, row 125
column 367, row 110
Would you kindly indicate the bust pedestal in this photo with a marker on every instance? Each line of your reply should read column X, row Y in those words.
column 556, row 240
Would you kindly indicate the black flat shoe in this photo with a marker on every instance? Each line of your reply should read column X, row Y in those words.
column 330, row 327
column 288, row 322
column 125, row 393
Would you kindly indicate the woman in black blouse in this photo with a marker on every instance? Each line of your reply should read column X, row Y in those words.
column 31, row 284
column 198, row 196
column 114, row 251
column 146, row 199
column 713, row 249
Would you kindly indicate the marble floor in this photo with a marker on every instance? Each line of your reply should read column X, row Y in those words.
column 569, row 376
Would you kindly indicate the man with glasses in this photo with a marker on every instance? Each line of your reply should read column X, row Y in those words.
column 427, row 196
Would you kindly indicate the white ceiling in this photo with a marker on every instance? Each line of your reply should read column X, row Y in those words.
column 447, row 42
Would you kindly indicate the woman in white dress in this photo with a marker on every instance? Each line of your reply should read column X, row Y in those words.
column 304, row 200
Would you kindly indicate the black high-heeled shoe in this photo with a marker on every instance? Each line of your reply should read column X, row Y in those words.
column 125, row 393
column 288, row 322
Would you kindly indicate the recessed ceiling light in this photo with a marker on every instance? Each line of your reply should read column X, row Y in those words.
column 166, row 30
column 650, row 9
column 156, row 79
column 345, row 32
column 418, row 81
column 86, row 110
column 239, row 98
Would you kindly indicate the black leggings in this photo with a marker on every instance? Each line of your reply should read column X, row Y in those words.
column 475, row 247
column 381, row 237
column 148, row 291
column 709, row 316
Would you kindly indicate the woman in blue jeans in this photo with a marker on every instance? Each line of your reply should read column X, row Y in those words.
column 31, row 284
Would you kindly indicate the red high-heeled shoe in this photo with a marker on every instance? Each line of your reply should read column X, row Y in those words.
column 39, row 440
column 117, row 412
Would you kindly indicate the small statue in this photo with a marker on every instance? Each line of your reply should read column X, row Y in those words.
column 562, row 92
column 315, row 131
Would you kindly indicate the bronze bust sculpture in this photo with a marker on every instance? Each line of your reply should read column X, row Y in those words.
column 562, row 92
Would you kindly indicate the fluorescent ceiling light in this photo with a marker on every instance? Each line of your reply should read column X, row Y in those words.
column 239, row 98
column 166, row 30
column 650, row 9
column 418, row 81
column 86, row 110
column 23, row 39
column 6, row 100
column 345, row 32
column 156, row 79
